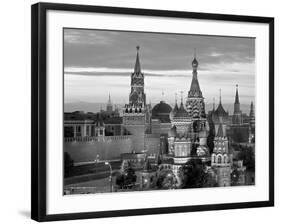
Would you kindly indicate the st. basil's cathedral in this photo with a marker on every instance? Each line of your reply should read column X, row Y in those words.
column 166, row 136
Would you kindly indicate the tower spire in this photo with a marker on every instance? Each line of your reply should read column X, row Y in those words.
column 176, row 103
column 137, row 69
column 194, row 53
column 252, row 113
column 236, row 103
column 109, row 98
column 220, row 96
column 181, row 97
column 195, row 90
column 214, row 104
column 237, row 95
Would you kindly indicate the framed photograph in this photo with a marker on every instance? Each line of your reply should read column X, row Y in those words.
column 138, row 111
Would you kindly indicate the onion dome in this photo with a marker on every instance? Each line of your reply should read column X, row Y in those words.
column 195, row 63
column 181, row 112
column 172, row 132
column 195, row 90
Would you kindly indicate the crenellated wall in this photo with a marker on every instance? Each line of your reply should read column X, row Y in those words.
column 85, row 149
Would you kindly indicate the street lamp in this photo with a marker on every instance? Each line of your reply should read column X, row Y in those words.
column 110, row 177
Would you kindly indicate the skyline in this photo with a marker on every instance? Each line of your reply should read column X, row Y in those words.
column 101, row 62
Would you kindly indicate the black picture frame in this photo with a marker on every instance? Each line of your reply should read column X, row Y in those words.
column 38, row 108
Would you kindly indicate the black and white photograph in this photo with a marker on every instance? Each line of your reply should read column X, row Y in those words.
column 148, row 111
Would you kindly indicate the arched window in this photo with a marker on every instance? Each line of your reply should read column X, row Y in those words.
column 219, row 159
column 225, row 159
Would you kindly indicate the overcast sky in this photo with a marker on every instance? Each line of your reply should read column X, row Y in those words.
column 97, row 63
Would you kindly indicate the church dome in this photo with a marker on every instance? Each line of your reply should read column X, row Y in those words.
column 161, row 108
column 181, row 112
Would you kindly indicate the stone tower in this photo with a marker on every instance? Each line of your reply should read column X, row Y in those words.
column 136, row 114
column 221, row 159
column 237, row 114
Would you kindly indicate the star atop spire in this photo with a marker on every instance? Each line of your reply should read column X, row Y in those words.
column 137, row 69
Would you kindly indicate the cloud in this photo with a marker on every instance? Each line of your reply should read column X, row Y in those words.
column 73, row 36
column 224, row 70
column 99, row 61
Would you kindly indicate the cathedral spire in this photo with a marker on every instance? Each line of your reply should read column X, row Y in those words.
column 181, row 98
column 137, row 95
column 176, row 103
column 252, row 113
column 237, row 95
column 194, row 88
column 220, row 96
column 236, row 103
column 109, row 99
column 137, row 69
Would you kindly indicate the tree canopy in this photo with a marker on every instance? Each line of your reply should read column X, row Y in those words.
column 194, row 174
column 126, row 179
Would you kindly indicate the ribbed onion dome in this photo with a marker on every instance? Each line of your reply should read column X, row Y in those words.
column 172, row 132
column 173, row 112
column 181, row 112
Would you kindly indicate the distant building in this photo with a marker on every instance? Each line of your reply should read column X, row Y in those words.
column 162, row 138
column 239, row 130
column 109, row 105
